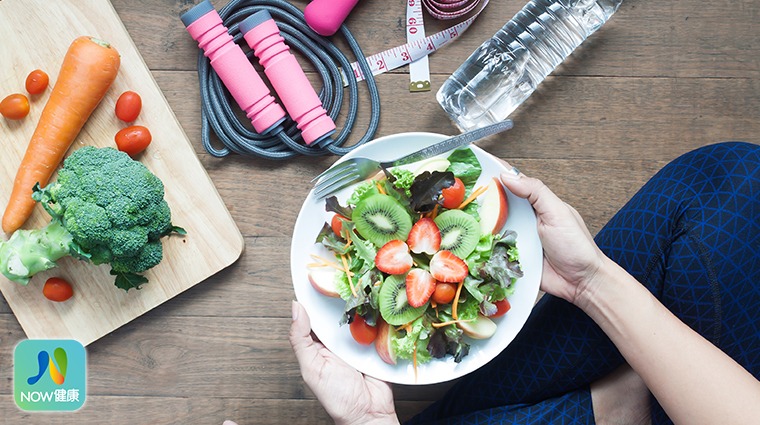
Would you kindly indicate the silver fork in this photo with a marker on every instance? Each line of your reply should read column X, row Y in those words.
column 356, row 169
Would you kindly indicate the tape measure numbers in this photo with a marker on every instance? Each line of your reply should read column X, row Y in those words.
column 419, row 70
column 414, row 50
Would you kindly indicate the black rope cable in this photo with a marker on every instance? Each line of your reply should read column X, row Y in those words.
column 285, row 142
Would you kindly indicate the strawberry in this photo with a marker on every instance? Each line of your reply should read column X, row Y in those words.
column 447, row 267
column 420, row 285
column 394, row 257
column 424, row 237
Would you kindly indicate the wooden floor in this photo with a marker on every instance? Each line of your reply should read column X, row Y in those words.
column 661, row 78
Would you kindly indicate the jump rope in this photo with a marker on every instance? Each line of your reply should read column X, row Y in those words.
column 308, row 127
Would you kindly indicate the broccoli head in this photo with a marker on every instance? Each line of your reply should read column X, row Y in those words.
column 106, row 208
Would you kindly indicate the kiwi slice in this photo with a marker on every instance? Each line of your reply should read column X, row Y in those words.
column 460, row 232
column 381, row 218
column 394, row 306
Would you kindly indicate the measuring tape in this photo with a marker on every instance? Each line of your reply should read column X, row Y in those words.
column 420, row 47
column 419, row 70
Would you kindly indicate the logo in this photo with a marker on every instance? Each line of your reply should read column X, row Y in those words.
column 49, row 375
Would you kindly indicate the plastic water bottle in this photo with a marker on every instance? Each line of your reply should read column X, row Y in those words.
column 506, row 69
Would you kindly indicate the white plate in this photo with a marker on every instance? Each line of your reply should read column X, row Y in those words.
column 325, row 312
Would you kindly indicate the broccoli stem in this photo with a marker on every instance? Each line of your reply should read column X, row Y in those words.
column 28, row 252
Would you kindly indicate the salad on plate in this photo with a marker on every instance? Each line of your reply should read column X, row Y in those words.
column 420, row 258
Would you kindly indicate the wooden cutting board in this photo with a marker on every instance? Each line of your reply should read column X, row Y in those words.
column 36, row 34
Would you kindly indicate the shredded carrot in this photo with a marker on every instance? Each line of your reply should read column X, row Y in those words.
column 475, row 193
column 348, row 273
column 455, row 302
column 318, row 258
column 348, row 239
column 414, row 361
column 407, row 327
column 450, row 322
column 321, row 262
column 380, row 188
column 434, row 213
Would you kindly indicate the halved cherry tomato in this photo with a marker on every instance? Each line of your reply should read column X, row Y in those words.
column 362, row 332
column 57, row 289
column 502, row 307
column 37, row 81
column 453, row 195
column 128, row 106
column 15, row 106
column 444, row 292
column 336, row 224
column 133, row 139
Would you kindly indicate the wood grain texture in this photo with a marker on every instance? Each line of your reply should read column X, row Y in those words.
column 659, row 79
column 213, row 240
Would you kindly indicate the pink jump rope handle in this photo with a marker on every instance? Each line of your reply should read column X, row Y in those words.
column 326, row 16
column 234, row 69
column 287, row 77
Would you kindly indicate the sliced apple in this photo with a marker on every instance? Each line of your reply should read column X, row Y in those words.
column 383, row 342
column 323, row 280
column 432, row 164
column 494, row 208
column 480, row 328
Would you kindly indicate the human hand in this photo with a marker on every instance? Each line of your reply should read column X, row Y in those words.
column 348, row 396
column 571, row 258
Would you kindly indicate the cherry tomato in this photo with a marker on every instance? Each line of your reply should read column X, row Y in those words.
column 362, row 332
column 502, row 307
column 37, row 81
column 453, row 195
column 128, row 106
column 336, row 224
column 15, row 106
column 133, row 139
column 57, row 289
column 444, row 292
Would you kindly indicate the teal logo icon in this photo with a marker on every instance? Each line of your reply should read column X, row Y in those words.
column 49, row 375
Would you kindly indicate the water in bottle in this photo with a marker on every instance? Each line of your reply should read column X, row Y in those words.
column 506, row 69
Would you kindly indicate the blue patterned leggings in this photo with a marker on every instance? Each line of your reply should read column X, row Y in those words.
column 691, row 235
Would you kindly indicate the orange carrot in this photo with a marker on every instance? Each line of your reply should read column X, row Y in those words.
column 475, row 193
column 348, row 275
column 88, row 70
column 455, row 302
column 414, row 362
column 450, row 322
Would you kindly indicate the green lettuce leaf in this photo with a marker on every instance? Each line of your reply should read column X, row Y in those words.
column 465, row 165
column 468, row 309
column 480, row 254
column 365, row 251
column 404, row 342
column 402, row 180
column 362, row 191
column 364, row 302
